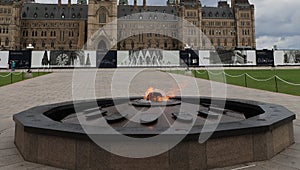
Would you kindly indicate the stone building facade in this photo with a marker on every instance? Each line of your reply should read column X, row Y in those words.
column 105, row 24
column 10, row 21
column 53, row 26
column 176, row 25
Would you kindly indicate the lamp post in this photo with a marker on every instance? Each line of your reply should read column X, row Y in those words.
column 29, row 48
column 187, row 48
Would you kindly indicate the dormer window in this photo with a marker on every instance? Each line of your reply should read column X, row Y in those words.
column 217, row 14
column 73, row 15
column 51, row 15
column 141, row 17
column 24, row 15
column 46, row 15
column 35, row 15
column 62, row 15
column 78, row 15
column 210, row 14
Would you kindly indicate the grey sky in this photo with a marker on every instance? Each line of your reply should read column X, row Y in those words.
column 277, row 21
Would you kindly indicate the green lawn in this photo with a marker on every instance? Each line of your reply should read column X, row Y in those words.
column 289, row 75
column 7, row 78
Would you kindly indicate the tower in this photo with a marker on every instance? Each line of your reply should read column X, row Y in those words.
column 102, row 24
column 191, row 11
column 245, row 23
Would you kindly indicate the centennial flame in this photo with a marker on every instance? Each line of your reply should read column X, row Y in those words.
column 157, row 95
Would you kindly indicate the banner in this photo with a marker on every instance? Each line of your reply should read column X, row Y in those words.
column 40, row 59
column 90, row 58
column 189, row 58
column 106, row 59
column 227, row 57
column 287, row 57
column 60, row 58
column 265, row 58
column 4, row 59
column 21, row 58
column 148, row 58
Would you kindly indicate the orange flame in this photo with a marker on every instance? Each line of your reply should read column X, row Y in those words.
column 172, row 93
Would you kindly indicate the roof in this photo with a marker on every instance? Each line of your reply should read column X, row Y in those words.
column 6, row 2
column 217, row 13
column 54, row 12
column 152, row 12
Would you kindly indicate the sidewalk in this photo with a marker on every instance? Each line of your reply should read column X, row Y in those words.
column 57, row 87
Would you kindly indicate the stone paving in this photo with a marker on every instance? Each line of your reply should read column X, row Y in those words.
column 57, row 87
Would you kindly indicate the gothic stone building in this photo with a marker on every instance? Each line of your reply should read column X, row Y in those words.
column 173, row 26
column 9, row 24
column 105, row 24
column 53, row 26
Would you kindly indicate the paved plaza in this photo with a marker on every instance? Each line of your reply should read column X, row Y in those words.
column 57, row 87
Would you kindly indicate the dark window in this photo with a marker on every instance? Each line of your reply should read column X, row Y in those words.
column 6, row 41
column 102, row 17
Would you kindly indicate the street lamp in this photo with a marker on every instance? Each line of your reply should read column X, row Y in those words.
column 30, row 47
column 187, row 48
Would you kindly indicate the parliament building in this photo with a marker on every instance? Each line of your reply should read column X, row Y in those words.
column 118, row 25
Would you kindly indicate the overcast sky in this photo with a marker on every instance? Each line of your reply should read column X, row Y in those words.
column 277, row 21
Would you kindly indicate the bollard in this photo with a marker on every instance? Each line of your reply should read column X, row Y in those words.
column 276, row 85
column 246, row 84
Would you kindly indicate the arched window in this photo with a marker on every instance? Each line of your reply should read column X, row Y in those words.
column 102, row 17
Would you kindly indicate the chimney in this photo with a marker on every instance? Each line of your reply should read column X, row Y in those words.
column 144, row 4
column 232, row 3
column 223, row 4
column 69, row 3
column 135, row 5
column 59, row 3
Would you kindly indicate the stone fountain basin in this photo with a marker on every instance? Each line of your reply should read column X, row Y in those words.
column 266, row 131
